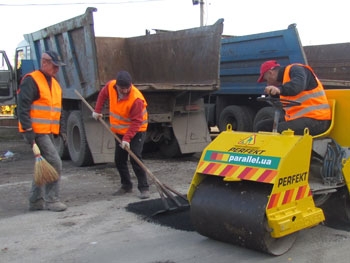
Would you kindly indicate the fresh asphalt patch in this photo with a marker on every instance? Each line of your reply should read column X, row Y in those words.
column 154, row 211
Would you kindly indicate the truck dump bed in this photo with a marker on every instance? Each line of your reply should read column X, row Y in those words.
column 331, row 64
column 174, row 70
column 166, row 61
column 242, row 56
column 331, row 61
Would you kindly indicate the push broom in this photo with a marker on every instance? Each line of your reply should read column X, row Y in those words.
column 163, row 189
column 44, row 172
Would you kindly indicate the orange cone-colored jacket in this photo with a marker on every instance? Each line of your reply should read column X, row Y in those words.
column 45, row 112
column 119, row 109
column 314, row 103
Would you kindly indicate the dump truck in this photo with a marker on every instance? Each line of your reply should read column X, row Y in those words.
column 173, row 70
column 240, row 60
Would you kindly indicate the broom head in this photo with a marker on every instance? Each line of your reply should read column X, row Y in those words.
column 44, row 172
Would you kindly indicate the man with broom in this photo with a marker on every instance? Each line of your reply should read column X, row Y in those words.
column 39, row 115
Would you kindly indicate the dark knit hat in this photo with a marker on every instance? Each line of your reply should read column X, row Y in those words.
column 123, row 79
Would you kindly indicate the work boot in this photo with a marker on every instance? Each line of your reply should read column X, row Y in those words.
column 56, row 206
column 37, row 205
column 144, row 194
column 122, row 191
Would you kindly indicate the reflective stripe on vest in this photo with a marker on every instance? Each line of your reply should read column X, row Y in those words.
column 45, row 112
column 314, row 103
column 120, row 110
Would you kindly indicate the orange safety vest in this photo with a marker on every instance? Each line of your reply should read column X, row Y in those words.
column 119, row 110
column 45, row 112
column 314, row 103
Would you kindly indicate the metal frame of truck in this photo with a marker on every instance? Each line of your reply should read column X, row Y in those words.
column 174, row 70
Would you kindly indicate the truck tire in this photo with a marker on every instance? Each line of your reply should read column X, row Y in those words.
column 61, row 148
column 265, row 113
column 240, row 117
column 169, row 148
column 77, row 144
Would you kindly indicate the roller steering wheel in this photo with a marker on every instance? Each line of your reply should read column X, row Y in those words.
column 278, row 102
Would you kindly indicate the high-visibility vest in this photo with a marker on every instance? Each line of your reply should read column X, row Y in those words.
column 314, row 103
column 45, row 112
column 119, row 110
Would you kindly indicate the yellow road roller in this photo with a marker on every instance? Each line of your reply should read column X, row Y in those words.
column 258, row 190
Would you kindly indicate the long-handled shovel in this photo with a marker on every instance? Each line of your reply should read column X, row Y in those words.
column 163, row 190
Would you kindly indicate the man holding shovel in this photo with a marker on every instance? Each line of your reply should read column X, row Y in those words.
column 39, row 114
column 129, row 120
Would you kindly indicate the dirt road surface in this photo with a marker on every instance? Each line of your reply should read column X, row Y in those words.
column 98, row 227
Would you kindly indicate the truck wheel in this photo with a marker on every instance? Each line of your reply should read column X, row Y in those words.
column 240, row 117
column 61, row 148
column 265, row 113
column 77, row 144
column 170, row 148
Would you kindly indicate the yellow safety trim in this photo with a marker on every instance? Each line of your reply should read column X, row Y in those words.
column 331, row 103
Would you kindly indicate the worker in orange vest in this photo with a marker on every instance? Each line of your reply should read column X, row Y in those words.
column 39, row 114
column 296, row 82
column 128, row 120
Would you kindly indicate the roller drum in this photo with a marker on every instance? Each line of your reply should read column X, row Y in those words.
column 234, row 212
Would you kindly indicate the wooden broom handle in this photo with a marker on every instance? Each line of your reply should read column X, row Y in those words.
column 142, row 165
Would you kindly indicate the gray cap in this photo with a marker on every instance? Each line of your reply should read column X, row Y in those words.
column 55, row 58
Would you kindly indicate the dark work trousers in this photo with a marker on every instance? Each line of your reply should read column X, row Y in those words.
column 121, row 158
column 298, row 125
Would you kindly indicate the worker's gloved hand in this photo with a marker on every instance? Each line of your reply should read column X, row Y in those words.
column 96, row 115
column 125, row 144
column 272, row 90
column 29, row 137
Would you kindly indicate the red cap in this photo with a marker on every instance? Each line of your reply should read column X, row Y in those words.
column 266, row 66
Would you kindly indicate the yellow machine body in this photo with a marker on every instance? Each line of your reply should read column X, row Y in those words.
column 341, row 124
column 225, row 193
column 281, row 160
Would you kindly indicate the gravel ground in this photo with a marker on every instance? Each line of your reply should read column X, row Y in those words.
column 99, row 227
column 88, row 193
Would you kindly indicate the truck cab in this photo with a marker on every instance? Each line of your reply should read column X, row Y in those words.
column 8, row 83
column 10, row 77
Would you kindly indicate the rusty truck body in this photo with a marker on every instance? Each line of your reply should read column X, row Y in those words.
column 173, row 70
